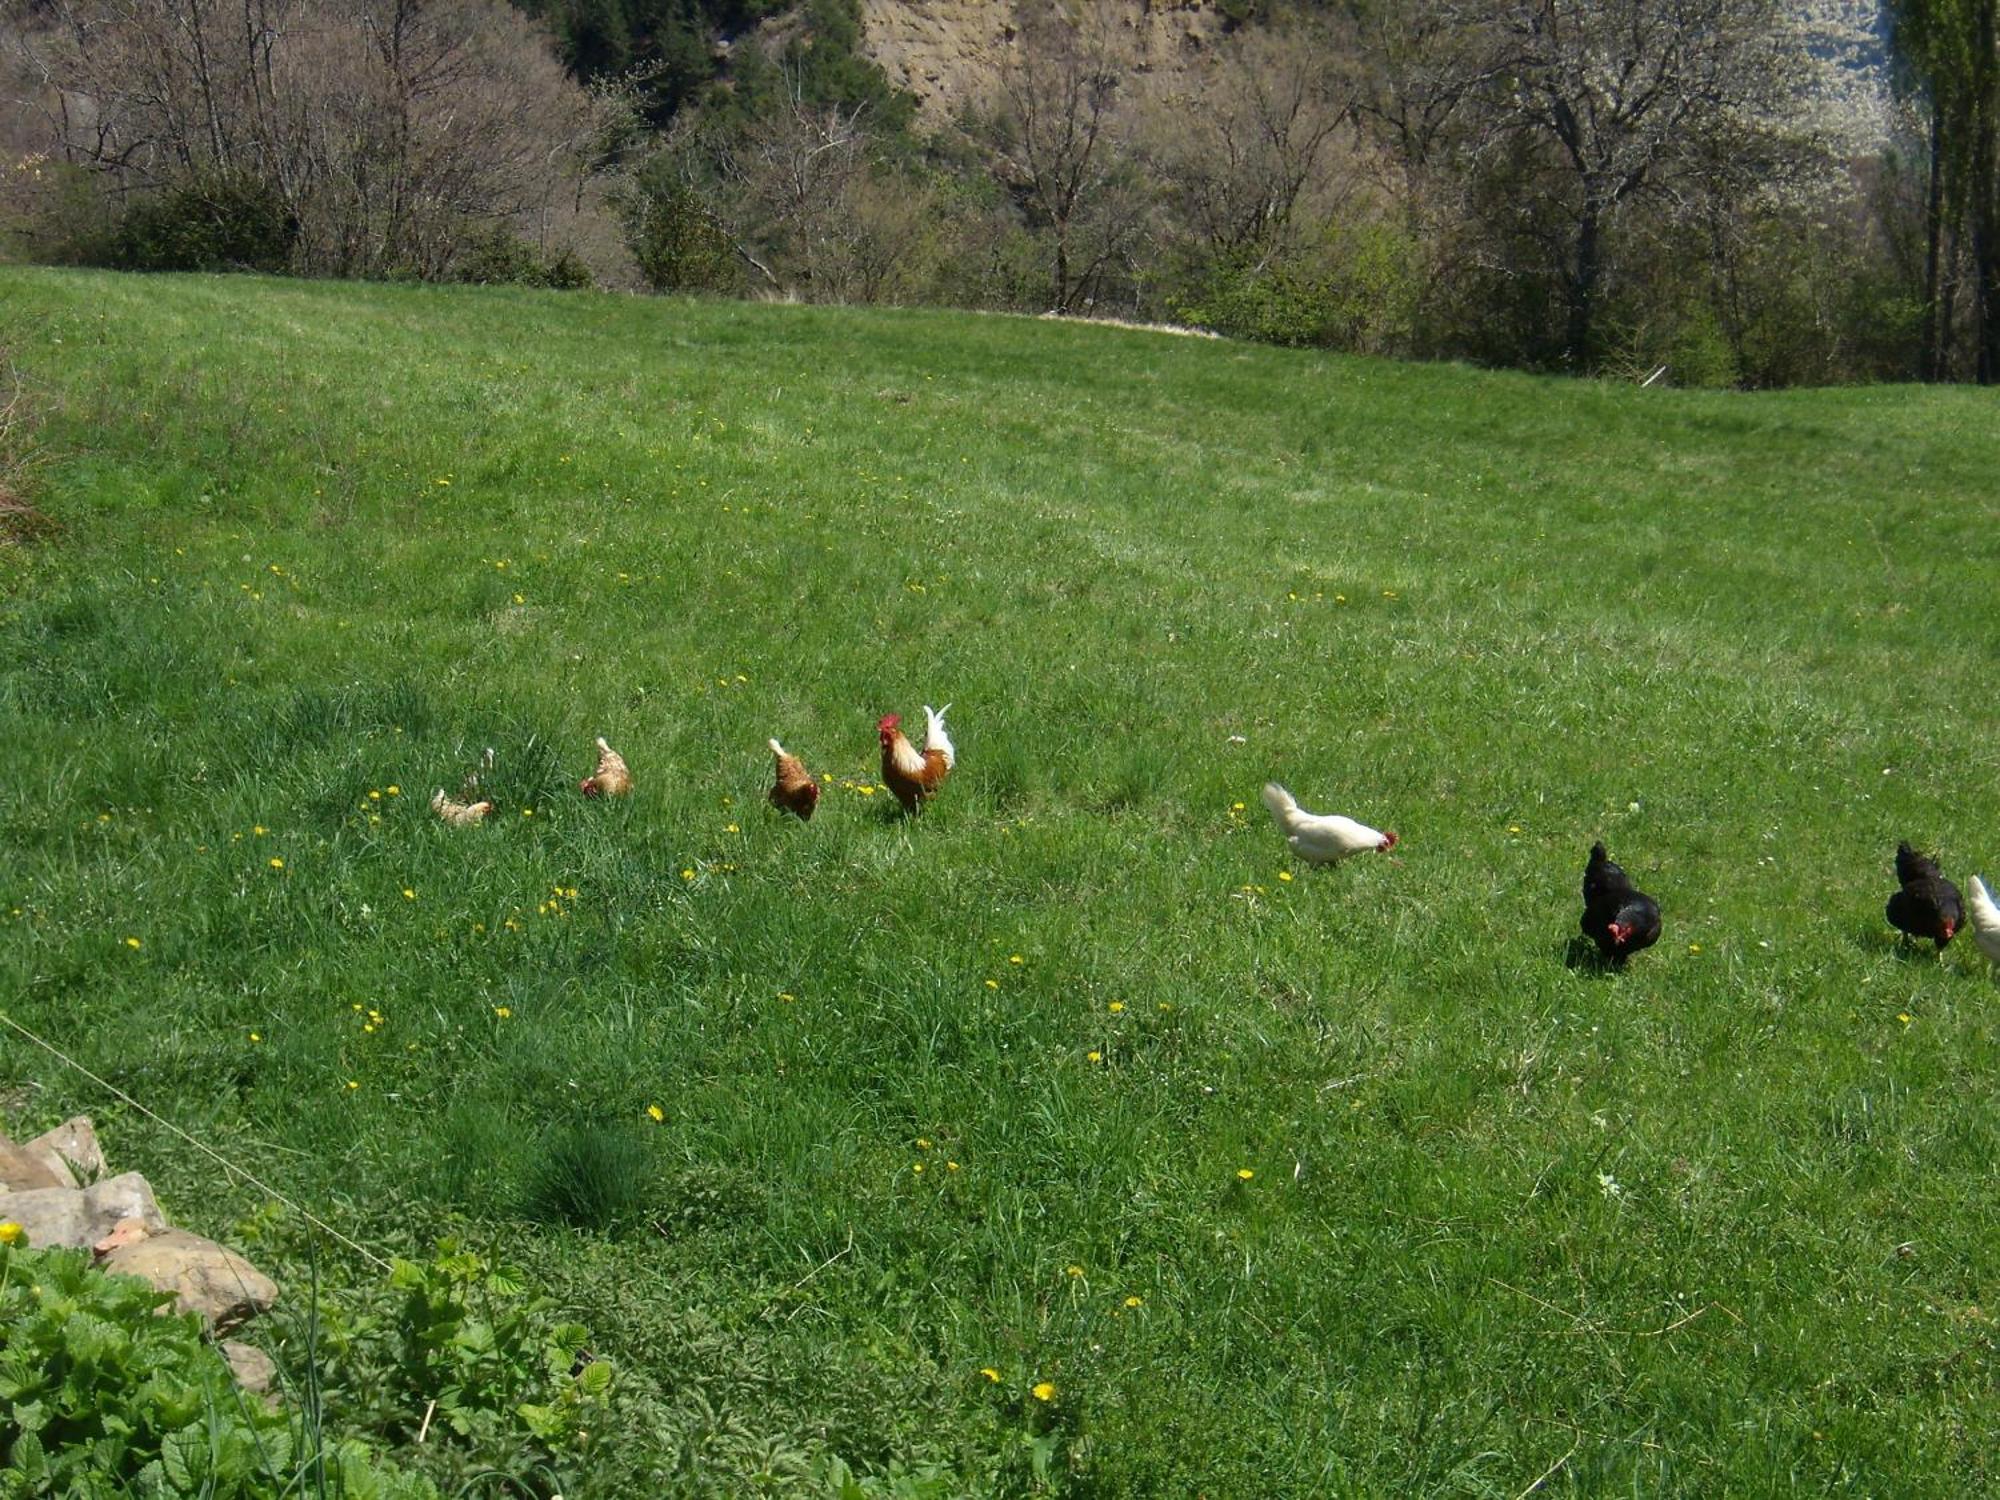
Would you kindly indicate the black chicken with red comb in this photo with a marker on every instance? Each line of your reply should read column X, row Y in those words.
column 1928, row 905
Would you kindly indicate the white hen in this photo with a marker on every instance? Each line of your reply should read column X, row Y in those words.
column 1985, row 919
column 1321, row 838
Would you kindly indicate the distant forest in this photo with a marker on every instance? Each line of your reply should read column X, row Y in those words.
column 1709, row 192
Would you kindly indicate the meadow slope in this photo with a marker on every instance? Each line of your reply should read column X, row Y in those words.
column 1288, row 1181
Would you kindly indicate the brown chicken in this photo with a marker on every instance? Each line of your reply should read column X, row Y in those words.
column 794, row 790
column 460, row 814
column 915, row 777
column 611, row 778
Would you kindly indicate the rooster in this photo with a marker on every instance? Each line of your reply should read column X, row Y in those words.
column 460, row 814
column 1985, row 920
column 794, row 790
column 1928, row 905
column 1617, row 916
column 611, row 778
column 1322, row 838
column 915, row 778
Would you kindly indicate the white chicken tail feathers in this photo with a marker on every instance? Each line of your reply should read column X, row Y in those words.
column 603, row 746
column 1985, row 919
column 935, row 737
column 437, row 797
column 1281, row 802
column 776, row 748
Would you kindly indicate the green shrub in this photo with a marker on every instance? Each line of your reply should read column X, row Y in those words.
column 226, row 223
column 102, row 1394
column 674, row 236
column 500, row 257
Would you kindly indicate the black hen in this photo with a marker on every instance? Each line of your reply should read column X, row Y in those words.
column 1928, row 905
column 1617, row 916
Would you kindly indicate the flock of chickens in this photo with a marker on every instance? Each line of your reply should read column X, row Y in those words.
column 1618, row 917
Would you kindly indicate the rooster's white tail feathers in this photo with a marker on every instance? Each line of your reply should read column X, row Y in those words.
column 935, row 737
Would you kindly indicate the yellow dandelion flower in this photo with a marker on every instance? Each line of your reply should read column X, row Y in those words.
column 353, row 1084
column 1096, row 1057
column 132, row 942
column 12, row 1234
column 408, row 894
column 923, row 1143
column 993, row 984
column 656, row 1114
column 1285, row 875
column 527, row 812
column 687, row 874
column 1903, row 1016
column 1115, row 1006
column 1694, row 947
column 951, row 1166
column 259, row 829
column 1074, row 1271
column 1134, row 1301
column 1236, row 807
column 277, row 864
column 989, row 1372
column 1015, row 958
column 1044, row 1390
column 1244, row 1174
column 504, row 1012
column 373, row 795
column 255, row 1037
column 917, row 1167
column 395, row 791
column 788, row 999
column 732, row 828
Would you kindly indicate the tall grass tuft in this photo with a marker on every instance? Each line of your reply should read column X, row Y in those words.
column 594, row 1176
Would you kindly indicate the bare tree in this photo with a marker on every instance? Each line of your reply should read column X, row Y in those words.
column 1623, row 91
column 1253, row 143
column 385, row 127
column 1060, row 147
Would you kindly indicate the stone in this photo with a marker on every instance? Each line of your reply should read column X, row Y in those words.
column 78, row 1218
column 220, row 1285
column 255, row 1370
column 22, row 1170
column 71, row 1149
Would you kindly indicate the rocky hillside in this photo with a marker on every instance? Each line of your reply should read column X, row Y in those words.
column 949, row 52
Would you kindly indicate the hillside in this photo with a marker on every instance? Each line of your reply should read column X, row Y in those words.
column 1071, row 1139
column 950, row 53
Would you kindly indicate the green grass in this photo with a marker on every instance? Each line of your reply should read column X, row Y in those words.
column 1719, row 1224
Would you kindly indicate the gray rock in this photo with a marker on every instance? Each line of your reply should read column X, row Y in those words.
column 79, row 1218
column 71, row 1149
column 24, row 1170
column 220, row 1285
column 255, row 1370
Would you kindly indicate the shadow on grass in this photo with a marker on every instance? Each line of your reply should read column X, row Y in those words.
column 1581, row 956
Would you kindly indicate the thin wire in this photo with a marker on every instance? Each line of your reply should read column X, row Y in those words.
column 112, row 1088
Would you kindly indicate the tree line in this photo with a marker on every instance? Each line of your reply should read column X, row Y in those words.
column 1720, row 192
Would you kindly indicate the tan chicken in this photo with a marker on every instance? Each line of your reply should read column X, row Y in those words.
column 915, row 777
column 612, row 778
column 459, row 814
column 794, row 790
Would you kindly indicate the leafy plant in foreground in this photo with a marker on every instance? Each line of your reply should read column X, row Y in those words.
column 100, row 1392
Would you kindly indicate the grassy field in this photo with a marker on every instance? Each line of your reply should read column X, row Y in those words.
column 1287, row 1181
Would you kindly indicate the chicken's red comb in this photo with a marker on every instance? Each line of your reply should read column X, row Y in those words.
column 888, row 722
